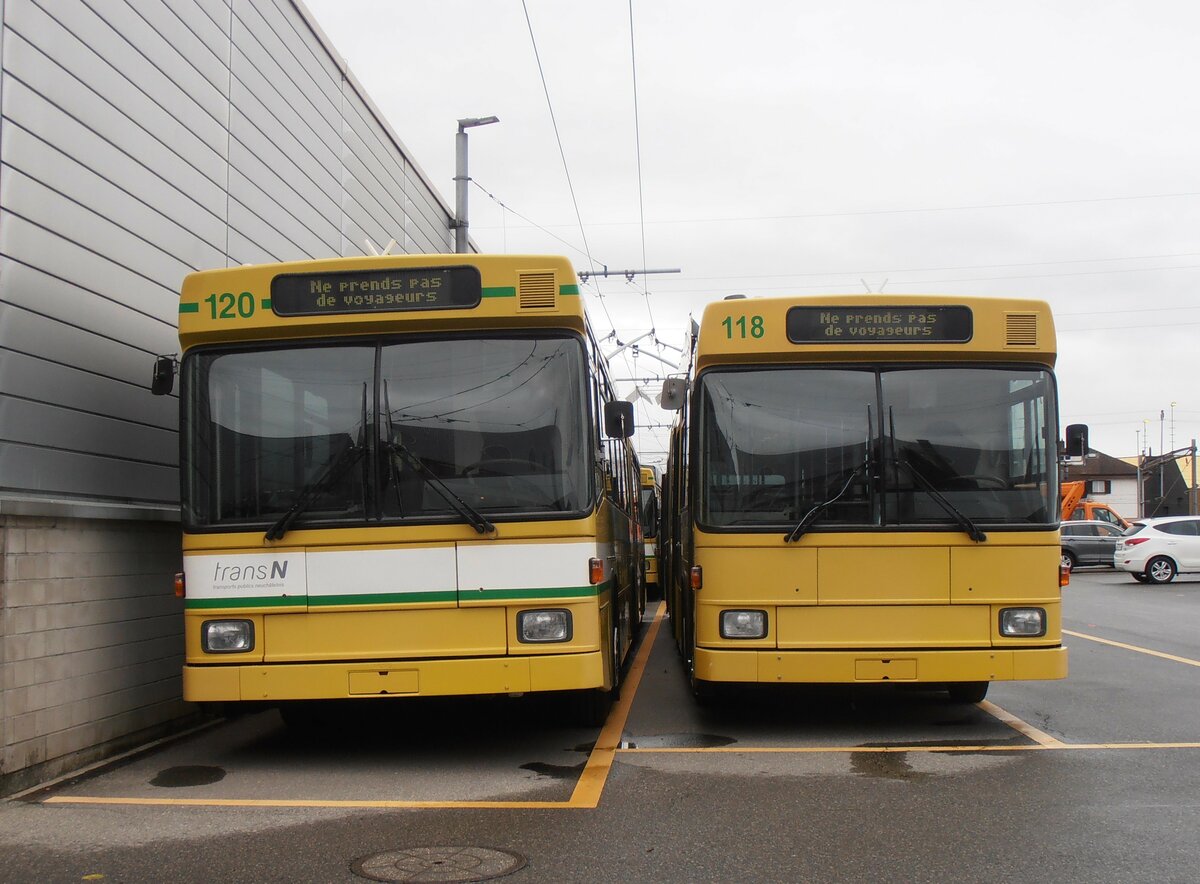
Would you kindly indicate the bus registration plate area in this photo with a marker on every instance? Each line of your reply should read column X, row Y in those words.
column 885, row 669
column 381, row 681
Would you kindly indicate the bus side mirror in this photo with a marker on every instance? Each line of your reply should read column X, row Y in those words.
column 1077, row 440
column 618, row 419
column 163, row 381
column 674, row 392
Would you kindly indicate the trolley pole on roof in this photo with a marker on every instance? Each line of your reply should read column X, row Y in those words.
column 461, row 178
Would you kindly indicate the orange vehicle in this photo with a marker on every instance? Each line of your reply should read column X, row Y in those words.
column 1075, row 507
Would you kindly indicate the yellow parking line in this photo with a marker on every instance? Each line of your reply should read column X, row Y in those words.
column 586, row 795
column 1152, row 653
column 1020, row 726
column 852, row 750
column 297, row 802
column 595, row 772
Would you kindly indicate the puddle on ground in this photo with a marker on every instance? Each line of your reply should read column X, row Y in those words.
column 677, row 741
column 188, row 775
column 558, row 771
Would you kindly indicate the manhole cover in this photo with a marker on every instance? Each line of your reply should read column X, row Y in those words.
column 439, row 864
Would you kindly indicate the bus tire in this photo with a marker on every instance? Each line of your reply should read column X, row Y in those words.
column 968, row 691
column 590, row 708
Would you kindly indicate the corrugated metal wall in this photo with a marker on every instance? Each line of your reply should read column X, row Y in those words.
column 143, row 139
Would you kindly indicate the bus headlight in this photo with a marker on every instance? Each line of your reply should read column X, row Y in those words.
column 743, row 624
column 1023, row 622
column 544, row 626
column 227, row 636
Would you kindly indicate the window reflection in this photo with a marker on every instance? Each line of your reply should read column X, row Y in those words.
column 881, row 444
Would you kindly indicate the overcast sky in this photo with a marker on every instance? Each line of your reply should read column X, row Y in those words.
column 1029, row 149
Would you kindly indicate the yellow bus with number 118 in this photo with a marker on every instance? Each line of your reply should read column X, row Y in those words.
column 863, row 490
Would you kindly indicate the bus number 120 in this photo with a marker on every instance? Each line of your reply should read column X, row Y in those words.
column 740, row 325
column 223, row 305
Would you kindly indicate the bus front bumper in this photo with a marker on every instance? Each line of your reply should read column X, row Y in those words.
column 873, row 667
column 416, row 678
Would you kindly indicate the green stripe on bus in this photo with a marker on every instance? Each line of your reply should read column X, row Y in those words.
column 468, row 595
column 270, row 601
column 188, row 308
column 266, row 303
column 500, row 291
column 568, row 289
column 399, row 598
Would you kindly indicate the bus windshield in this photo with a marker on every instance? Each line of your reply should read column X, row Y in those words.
column 385, row 430
column 876, row 447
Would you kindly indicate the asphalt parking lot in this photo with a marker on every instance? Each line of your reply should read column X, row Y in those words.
column 1093, row 778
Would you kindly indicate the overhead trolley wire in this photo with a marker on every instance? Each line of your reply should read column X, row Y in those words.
column 563, row 154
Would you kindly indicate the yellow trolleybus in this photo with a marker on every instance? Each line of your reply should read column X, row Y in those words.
column 401, row 476
column 864, row 489
column 650, row 502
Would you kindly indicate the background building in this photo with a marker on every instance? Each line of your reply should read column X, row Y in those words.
column 141, row 140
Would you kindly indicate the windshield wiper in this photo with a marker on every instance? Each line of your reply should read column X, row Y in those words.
column 964, row 521
column 811, row 516
column 331, row 474
column 475, row 518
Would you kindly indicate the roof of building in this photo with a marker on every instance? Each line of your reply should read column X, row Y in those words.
column 1098, row 465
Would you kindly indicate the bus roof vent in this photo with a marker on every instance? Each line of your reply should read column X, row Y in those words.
column 536, row 290
column 1021, row 330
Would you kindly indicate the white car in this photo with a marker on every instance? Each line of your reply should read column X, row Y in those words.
column 1155, row 550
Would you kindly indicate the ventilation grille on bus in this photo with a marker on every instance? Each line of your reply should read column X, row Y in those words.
column 1021, row 330
column 536, row 290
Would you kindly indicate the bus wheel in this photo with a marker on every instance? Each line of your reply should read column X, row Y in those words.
column 968, row 691
column 590, row 708
column 703, row 692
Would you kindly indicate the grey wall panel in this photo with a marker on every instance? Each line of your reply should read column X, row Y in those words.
column 362, row 202
column 31, row 422
column 32, row 157
column 317, row 219
column 311, row 139
column 36, row 290
column 323, row 199
column 264, row 233
column 246, row 193
column 251, row 126
column 160, row 65
column 58, row 88
column 46, row 471
column 26, row 111
column 85, row 84
column 312, row 60
column 246, row 251
column 40, row 380
column 90, row 230
column 199, row 40
column 264, row 41
column 375, row 177
column 216, row 11
column 31, row 333
column 28, row 243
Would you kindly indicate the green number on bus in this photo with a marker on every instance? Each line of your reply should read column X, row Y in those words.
column 756, row 327
column 222, row 306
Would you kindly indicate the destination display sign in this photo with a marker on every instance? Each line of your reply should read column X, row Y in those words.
column 919, row 324
column 375, row 291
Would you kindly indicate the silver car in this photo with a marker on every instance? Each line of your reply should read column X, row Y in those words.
column 1089, row 543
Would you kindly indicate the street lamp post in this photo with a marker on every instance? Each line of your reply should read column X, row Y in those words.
column 461, row 178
